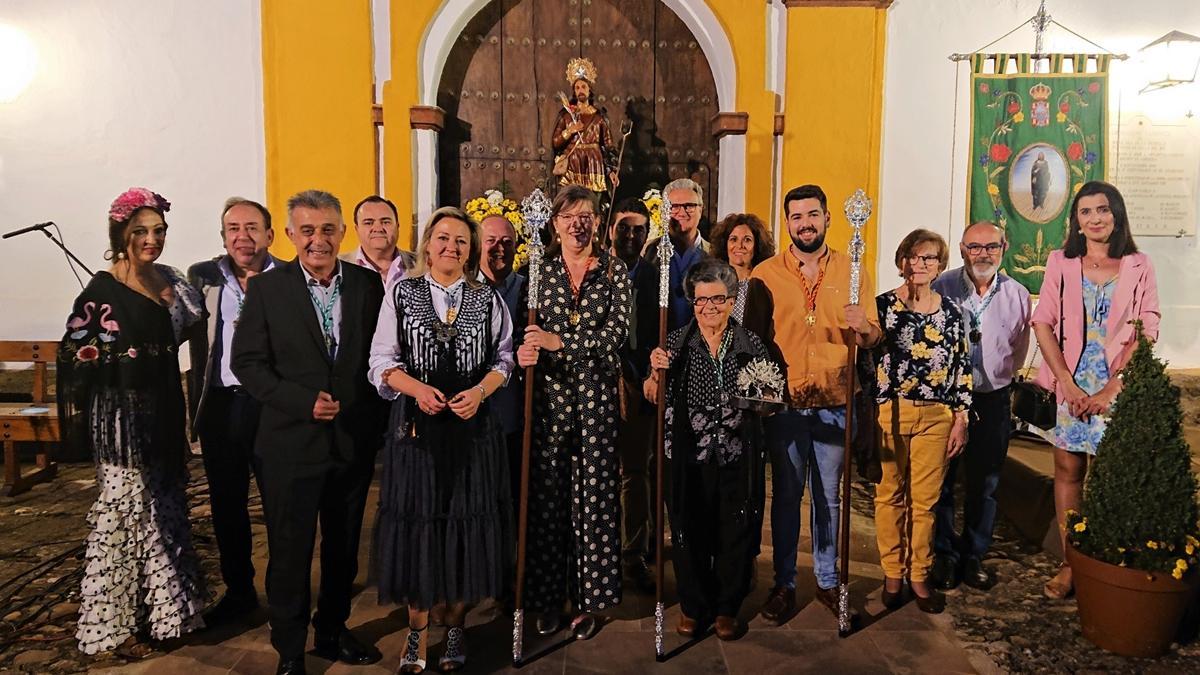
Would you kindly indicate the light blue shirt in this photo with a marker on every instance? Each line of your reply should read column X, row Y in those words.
column 232, row 297
column 1002, row 318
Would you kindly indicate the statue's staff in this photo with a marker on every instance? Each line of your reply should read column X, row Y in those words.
column 666, row 250
column 858, row 210
column 535, row 209
column 602, row 233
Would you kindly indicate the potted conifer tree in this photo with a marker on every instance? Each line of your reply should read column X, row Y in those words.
column 1133, row 548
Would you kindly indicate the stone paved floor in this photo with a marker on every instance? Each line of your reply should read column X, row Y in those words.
column 897, row 642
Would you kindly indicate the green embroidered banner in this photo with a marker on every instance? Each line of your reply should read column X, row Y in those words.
column 1036, row 139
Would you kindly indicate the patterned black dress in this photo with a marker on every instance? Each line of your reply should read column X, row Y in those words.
column 120, row 396
column 444, row 528
column 574, row 501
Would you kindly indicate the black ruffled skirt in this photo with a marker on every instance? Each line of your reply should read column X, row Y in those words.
column 444, row 531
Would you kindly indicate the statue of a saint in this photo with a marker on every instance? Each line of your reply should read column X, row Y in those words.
column 583, row 144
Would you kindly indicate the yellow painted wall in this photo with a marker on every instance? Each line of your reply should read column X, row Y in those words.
column 409, row 21
column 317, row 90
column 833, row 107
column 745, row 23
column 833, row 101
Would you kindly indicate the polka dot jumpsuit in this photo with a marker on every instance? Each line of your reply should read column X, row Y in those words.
column 574, row 548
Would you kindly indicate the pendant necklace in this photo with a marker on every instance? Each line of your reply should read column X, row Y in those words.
column 810, row 296
column 573, row 317
column 976, row 317
column 445, row 331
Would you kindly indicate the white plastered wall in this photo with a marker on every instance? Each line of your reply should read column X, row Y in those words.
column 917, row 190
column 164, row 95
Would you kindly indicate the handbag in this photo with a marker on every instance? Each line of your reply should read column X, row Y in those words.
column 1032, row 403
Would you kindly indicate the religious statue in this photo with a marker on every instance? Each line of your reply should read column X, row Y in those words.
column 584, row 152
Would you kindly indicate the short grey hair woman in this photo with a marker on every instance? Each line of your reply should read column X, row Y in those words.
column 715, row 452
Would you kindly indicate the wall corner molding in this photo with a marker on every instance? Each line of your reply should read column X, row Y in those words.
column 429, row 117
column 730, row 124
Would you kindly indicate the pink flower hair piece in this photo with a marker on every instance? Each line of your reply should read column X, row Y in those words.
column 133, row 199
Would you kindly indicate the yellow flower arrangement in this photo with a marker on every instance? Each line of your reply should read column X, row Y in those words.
column 494, row 203
column 653, row 201
column 1152, row 545
column 1080, row 526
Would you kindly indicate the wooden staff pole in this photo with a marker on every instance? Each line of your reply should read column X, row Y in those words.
column 666, row 251
column 536, row 212
column 858, row 209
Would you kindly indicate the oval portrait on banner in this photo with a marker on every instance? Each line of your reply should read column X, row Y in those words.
column 1039, row 182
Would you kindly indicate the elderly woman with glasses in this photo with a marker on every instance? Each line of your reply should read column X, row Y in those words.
column 923, row 387
column 715, row 449
column 574, row 483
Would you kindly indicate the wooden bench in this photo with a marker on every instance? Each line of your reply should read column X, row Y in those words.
column 34, row 421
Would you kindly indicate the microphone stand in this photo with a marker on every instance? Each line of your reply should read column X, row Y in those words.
column 65, row 250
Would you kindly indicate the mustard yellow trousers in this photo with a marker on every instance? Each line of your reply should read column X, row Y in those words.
column 913, row 437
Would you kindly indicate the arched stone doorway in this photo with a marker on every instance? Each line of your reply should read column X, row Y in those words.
column 500, row 79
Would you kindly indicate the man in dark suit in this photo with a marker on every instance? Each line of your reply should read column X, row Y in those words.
column 224, row 415
column 301, row 349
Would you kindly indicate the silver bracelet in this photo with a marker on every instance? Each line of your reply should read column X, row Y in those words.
column 482, row 391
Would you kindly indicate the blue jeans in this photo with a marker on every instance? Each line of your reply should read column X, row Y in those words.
column 806, row 444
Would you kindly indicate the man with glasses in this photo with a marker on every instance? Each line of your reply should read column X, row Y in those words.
column 997, row 311
column 687, row 204
column 809, row 283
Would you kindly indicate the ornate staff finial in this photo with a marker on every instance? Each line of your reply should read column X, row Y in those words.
column 858, row 210
column 535, row 209
column 666, row 250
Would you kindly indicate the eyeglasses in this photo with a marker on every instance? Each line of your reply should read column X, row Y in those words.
column 926, row 260
column 976, row 249
column 712, row 299
column 585, row 219
column 687, row 206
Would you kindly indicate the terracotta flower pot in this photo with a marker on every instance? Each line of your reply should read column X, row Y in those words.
column 1125, row 611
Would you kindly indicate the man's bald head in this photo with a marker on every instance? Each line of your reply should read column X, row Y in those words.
column 985, row 226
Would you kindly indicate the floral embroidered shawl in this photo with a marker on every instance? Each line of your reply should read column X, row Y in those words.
column 119, row 388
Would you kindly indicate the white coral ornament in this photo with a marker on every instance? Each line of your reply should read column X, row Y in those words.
column 761, row 379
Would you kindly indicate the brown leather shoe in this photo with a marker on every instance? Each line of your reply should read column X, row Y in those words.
column 829, row 598
column 779, row 605
column 686, row 626
column 727, row 627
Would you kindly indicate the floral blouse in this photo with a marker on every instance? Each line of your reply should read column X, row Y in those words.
column 923, row 357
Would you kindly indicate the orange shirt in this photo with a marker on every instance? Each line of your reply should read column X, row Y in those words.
column 815, row 354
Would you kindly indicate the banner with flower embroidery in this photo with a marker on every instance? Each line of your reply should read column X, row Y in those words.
column 1036, row 139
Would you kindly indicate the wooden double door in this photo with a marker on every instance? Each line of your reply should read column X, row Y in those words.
column 500, row 84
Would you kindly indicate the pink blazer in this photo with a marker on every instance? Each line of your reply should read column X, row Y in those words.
column 1136, row 297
